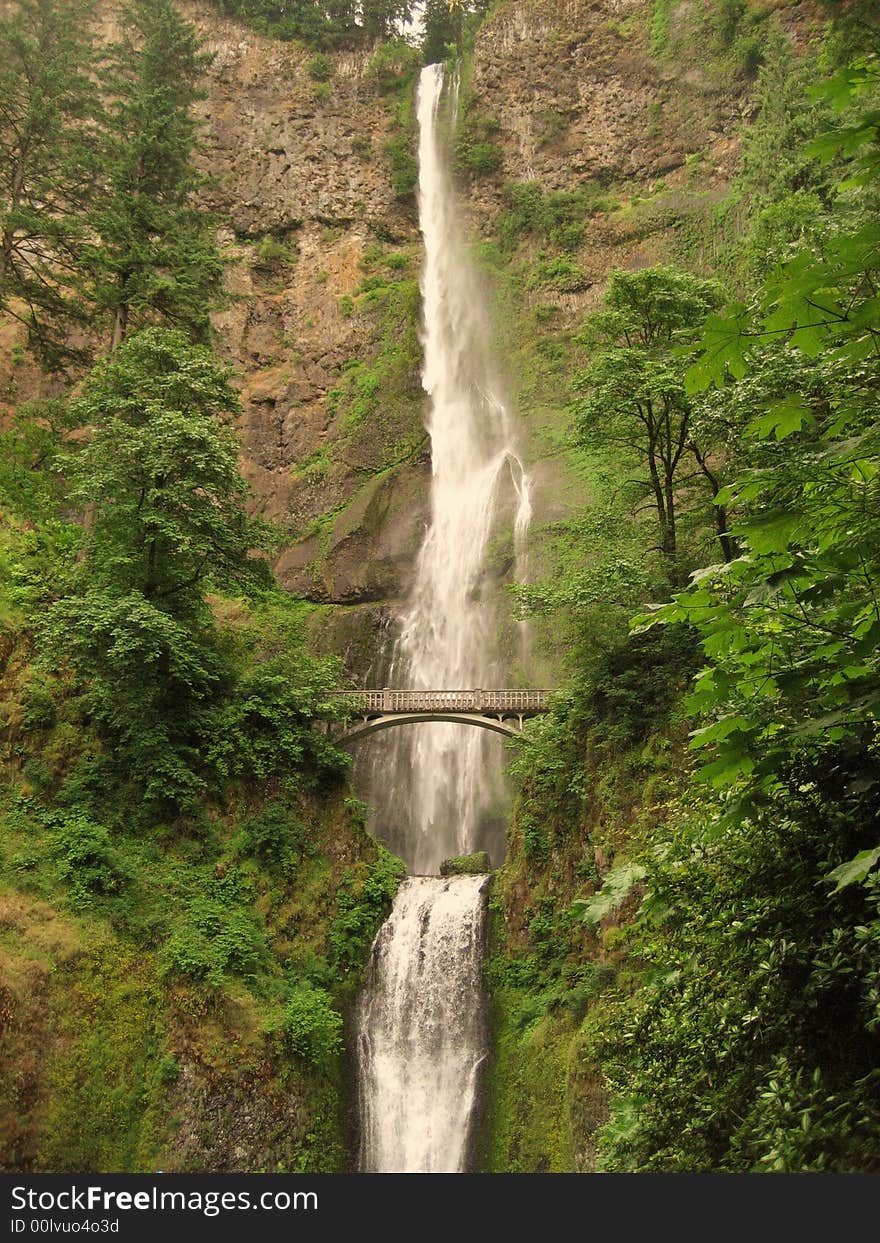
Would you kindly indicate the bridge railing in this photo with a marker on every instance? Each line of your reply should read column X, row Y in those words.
column 370, row 702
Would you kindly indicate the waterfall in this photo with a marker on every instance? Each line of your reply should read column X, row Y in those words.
column 448, row 780
column 421, row 1031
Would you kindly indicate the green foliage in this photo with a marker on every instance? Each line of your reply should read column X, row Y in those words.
column 403, row 164
column 264, row 728
column 160, row 474
column 722, row 1061
column 216, row 933
column 394, row 66
column 49, row 103
column 99, row 220
column 559, row 272
column 555, row 216
column 274, row 834
column 616, row 888
column 86, row 858
column 321, row 68
column 640, row 679
column 449, row 26
column 390, row 378
column 466, row 865
column 727, row 17
column 272, row 252
column 791, row 628
column 364, row 900
column 659, row 33
column 784, row 189
column 634, row 385
column 309, row 1025
column 477, row 151
column 155, row 255
column 761, row 922
column 78, row 853
column 321, row 23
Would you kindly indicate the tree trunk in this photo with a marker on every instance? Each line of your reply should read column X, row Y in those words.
column 120, row 324
column 671, row 543
column 729, row 549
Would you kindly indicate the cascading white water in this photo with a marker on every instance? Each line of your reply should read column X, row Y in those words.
column 422, row 1030
column 447, row 778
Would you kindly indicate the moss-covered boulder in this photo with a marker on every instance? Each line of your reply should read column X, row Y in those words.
column 466, row 865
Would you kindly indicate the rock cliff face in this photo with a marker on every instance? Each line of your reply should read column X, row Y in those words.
column 300, row 178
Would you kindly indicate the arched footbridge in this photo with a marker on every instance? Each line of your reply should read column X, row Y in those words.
column 503, row 712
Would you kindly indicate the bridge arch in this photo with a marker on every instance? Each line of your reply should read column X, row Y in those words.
column 375, row 724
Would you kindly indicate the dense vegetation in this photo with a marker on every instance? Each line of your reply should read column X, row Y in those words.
column 347, row 23
column 169, row 805
column 727, row 991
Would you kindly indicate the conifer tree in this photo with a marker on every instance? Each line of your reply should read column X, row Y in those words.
column 155, row 256
column 48, row 107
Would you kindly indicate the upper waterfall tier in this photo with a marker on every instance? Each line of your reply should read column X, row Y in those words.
column 447, row 779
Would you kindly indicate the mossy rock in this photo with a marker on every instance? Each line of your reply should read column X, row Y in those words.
column 467, row 865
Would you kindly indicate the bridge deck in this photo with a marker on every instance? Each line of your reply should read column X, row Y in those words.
column 369, row 703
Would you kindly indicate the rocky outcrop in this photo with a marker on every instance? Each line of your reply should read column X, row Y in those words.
column 298, row 175
column 579, row 95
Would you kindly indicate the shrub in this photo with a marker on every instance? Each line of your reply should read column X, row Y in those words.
column 272, row 251
column 309, row 1025
column 363, row 903
column 727, row 18
column 642, row 678
column 38, row 702
column 85, row 858
column 168, row 1069
column 560, row 273
column 394, row 65
column 274, row 835
column 218, row 933
column 321, row 68
column 404, row 166
column 477, row 153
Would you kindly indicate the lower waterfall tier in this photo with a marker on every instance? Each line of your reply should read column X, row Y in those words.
column 422, row 1030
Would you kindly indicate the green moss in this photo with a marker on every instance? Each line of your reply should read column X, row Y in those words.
column 105, row 1087
column 182, row 947
column 477, row 150
column 466, row 865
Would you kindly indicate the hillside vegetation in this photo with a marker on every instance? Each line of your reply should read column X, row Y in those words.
column 684, row 941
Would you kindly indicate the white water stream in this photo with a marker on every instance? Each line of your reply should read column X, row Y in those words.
column 421, row 1039
column 422, row 1029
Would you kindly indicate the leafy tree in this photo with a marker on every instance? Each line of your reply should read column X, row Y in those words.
column 445, row 24
column 48, row 104
column 382, row 18
column 161, row 471
column 762, row 920
column 309, row 1024
column 753, row 1044
column 792, row 629
column 161, row 474
column 156, row 256
column 323, row 23
column 634, row 391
